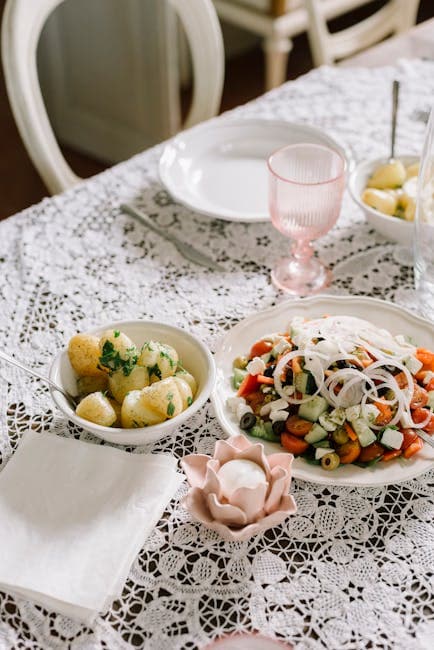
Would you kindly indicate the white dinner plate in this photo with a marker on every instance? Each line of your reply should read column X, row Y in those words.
column 386, row 315
column 220, row 169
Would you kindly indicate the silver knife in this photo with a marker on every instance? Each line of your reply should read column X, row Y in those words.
column 185, row 249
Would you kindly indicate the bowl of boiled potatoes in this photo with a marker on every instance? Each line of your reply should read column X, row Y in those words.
column 386, row 190
column 135, row 381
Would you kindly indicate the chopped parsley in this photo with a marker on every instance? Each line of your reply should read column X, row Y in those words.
column 166, row 355
column 116, row 334
column 171, row 405
column 148, row 346
column 112, row 360
column 154, row 370
column 189, row 401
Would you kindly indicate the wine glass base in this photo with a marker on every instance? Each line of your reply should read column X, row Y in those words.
column 300, row 278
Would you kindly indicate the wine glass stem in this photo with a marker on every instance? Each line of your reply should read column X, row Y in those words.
column 302, row 250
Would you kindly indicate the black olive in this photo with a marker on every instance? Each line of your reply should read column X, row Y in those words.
column 248, row 420
column 346, row 364
column 382, row 391
column 289, row 379
column 268, row 372
column 278, row 427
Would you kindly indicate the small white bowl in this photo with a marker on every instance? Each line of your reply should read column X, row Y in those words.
column 392, row 228
column 195, row 356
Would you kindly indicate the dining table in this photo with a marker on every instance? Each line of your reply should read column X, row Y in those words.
column 354, row 567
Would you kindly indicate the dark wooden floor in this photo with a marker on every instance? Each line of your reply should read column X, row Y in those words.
column 20, row 185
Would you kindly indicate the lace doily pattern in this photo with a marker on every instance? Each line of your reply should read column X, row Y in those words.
column 354, row 568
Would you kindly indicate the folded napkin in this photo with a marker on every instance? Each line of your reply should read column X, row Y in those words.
column 73, row 516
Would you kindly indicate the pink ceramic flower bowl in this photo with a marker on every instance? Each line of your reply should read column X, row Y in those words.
column 248, row 510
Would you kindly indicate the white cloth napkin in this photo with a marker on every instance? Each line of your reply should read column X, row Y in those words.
column 73, row 516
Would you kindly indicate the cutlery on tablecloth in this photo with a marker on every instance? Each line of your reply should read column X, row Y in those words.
column 395, row 102
column 186, row 250
column 71, row 399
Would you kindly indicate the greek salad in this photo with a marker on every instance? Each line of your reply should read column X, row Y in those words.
column 336, row 390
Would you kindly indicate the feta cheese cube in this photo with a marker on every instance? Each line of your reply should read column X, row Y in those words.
column 322, row 451
column 326, row 423
column 369, row 412
column 256, row 366
column 429, row 375
column 413, row 364
column 289, row 390
column 352, row 412
column 277, row 405
column 241, row 409
column 337, row 415
column 392, row 438
column 278, row 416
column 233, row 402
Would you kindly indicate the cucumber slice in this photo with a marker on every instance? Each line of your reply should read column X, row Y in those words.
column 238, row 377
column 305, row 382
column 365, row 435
column 320, row 452
column 312, row 409
column 316, row 434
column 260, row 430
column 322, row 444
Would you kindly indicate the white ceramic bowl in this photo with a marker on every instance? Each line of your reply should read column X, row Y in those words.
column 392, row 228
column 196, row 358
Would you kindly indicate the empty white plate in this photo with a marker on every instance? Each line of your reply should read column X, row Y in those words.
column 220, row 169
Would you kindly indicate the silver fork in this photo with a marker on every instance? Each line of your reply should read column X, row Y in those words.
column 71, row 399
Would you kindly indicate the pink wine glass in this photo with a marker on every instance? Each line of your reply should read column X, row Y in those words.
column 306, row 186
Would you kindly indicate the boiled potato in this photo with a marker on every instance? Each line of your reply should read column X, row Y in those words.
column 118, row 410
column 391, row 175
column 410, row 209
column 152, row 405
column 84, row 353
column 379, row 200
column 120, row 384
column 160, row 359
column 117, row 351
column 412, row 170
column 183, row 374
column 184, row 391
column 97, row 408
column 86, row 385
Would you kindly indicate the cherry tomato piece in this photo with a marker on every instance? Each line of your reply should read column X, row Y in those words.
column 410, row 436
column 260, row 348
column 390, row 455
column 420, row 415
column 419, row 398
column 371, row 452
column 248, row 385
column 292, row 444
column 413, row 448
column 298, row 426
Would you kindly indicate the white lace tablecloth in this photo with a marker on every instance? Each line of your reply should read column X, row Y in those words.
column 354, row 568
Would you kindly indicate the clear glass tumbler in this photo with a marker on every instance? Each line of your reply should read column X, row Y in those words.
column 423, row 240
column 306, row 184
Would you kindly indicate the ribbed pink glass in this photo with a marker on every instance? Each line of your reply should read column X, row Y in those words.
column 305, row 196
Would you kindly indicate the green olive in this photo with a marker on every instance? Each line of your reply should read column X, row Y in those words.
column 330, row 461
column 340, row 436
column 240, row 362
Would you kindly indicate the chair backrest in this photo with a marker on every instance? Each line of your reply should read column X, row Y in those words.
column 395, row 17
column 22, row 24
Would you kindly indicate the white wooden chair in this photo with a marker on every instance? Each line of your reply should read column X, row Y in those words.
column 395, row 17
column 278, row 21
column 23, row 21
